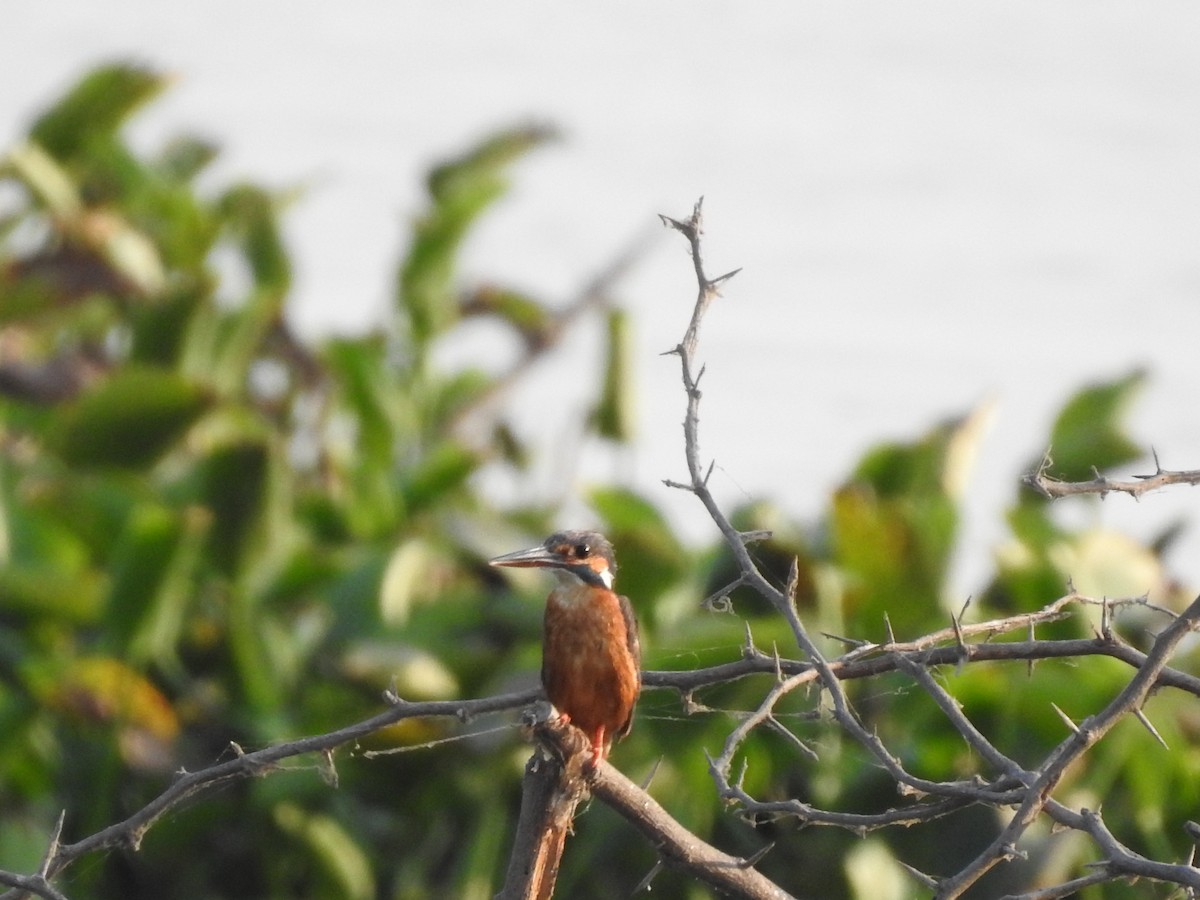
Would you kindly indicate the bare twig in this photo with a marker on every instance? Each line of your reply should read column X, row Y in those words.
column 679, row 848
column 1053, row 489
column 1088, row 733
column 191, row 785
column 1030, row 791
column 557, row 779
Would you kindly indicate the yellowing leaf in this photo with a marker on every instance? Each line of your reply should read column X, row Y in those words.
column 103, row 689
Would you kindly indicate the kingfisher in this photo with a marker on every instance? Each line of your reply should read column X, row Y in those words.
column 591, row 655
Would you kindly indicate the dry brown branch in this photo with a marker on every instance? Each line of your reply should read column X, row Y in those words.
column 551, row 790
column 1052, row 488
column 677, row 847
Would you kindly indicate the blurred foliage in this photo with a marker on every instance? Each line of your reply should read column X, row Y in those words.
column 213, row 532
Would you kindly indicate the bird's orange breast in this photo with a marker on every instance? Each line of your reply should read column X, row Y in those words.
column 588, row 668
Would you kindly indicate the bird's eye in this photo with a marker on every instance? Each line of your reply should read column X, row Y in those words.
column 582, row 551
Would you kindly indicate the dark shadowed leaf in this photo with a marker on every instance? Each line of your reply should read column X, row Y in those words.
column 649, row 555
column 235, row 487
column 153, row 568
column 130, row 419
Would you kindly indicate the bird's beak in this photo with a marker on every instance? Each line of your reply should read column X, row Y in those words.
column 523, row 559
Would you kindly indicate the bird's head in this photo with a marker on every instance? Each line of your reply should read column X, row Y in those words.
column 575, row 557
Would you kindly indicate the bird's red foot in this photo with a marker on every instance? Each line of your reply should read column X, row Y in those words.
column 599, row 751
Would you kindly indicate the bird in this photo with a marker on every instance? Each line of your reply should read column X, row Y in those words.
column 591, row 651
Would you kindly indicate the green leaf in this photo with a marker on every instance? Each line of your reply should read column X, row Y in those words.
column 614, row 416
column 651, row 559
column 251, row 214
column 460, row 191
column 371, row 393
column 159, row 330
column 39, row 591
column 96, row 107
column 45, row 178
column 153, row 571
column 343, row 865
column 185, row 157
column 449, row 398
column 440, row 474
column 531, row 319
column 893, row 527
column 235, row 487
column 1090, row 431
column 130, row 419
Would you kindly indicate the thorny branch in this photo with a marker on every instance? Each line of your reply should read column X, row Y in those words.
column 1003, row 783
column 1031, row 791
column 1051, row 487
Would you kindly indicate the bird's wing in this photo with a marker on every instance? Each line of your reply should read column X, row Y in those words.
column 631, row 634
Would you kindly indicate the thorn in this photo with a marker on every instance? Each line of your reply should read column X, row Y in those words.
column 891, row 635
column 754, row 537
column 793, row 739
column 966, row 605
column 925, row 880
column 52, row 848
column 668, row 222
column 1141, row 717
column 1029, row 662
column 721, row 279
column 748, row 648
column 644, row 884
column 1106, row 620
column 855, row 643
column 752, row 861
column 677, row 350
column 327, row 769
column 1066, row 719
column 958, row 636
column 711, row 465
column 793, row 581
column 645, row 785
column 677, row 485
column 741, row 776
